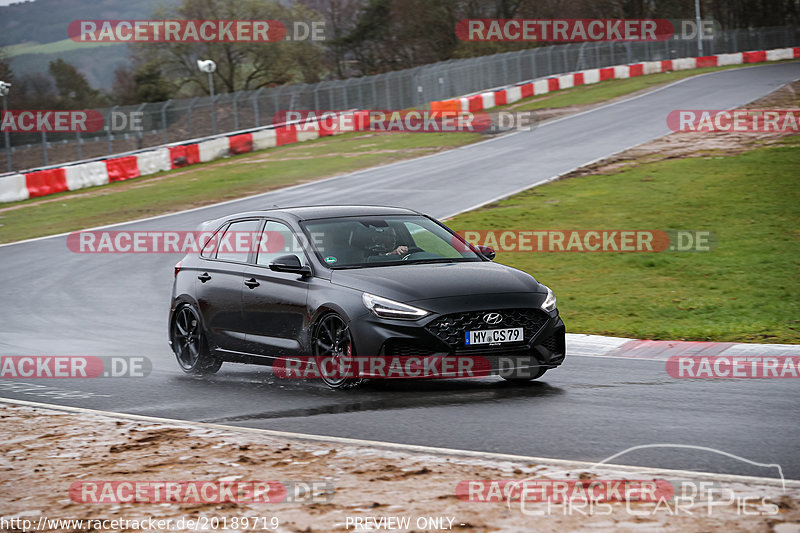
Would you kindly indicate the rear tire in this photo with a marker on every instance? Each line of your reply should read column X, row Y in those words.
column 331, row 339
column 189, row 343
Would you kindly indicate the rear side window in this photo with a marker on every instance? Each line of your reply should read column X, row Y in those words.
column 209, row 250
column 237, row 241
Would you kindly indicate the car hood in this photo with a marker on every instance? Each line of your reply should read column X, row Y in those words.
column 407, row 283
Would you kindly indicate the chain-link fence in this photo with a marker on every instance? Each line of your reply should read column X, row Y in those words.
column 190, row 118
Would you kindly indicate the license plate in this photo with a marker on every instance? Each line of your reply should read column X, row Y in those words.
column 492, row 336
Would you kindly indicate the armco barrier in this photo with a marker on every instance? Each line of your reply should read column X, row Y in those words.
column 21, row 186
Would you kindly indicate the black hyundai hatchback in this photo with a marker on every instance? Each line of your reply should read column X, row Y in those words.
column 347, row 282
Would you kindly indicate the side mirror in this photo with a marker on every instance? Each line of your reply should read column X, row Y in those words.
column 486, row 251
column 289, row 263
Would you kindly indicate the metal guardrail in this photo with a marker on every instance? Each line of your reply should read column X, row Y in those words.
column 182, row 119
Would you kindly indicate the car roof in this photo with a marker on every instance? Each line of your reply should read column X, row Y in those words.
column 310, row 212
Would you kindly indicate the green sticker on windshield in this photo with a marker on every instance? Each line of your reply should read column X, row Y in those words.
column 330, row 259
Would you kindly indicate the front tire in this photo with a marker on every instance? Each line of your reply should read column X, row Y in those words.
column 331, row 339
column 189, row 343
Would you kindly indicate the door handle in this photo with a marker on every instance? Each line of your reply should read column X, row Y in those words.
column 252, row 283
column 204, row 277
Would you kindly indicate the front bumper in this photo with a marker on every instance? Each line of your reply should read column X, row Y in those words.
column 543, row 345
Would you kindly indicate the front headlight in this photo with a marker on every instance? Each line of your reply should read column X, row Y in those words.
column 549, row 303
column 386, row 308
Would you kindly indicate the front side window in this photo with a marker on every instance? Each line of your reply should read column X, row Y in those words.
column 278, row 240
column 353, row 242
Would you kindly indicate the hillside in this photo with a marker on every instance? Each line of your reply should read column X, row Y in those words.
column 35, row 33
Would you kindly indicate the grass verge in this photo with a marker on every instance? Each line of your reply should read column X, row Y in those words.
column 266, row 170
column 746, row 289
column 216, row 181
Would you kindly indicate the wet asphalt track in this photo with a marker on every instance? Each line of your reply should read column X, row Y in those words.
column 55, row 302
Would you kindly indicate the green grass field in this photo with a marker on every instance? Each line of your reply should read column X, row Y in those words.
column 65, row 45
column 216, row 181
column 746, row 289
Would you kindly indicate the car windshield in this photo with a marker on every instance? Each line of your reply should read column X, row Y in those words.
column 355, row 242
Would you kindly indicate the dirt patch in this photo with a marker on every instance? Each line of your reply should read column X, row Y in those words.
column 45, row 451
column 682, row 145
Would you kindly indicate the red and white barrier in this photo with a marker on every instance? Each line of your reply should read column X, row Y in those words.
column 780, row 54
column 13, row 188
column 264, row 139
column 240, row 144
column 566, row 82
column 153, row 161
column 21, row 186
column 44, row 182
column 214, row 149
column 513, row 94
column 308, row 132
column 729, row 59
column 85, row 175
column 591, row 76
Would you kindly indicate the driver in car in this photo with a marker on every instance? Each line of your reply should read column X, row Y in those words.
column 387, row 239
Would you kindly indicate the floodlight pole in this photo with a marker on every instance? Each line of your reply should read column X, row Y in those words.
column 4, row 88
column 699, row 28
column 213, row 104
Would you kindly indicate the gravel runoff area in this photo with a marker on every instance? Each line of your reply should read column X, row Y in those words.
column 66, row 465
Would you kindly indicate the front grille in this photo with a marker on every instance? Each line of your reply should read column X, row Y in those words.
column 404, row 348
column 451, row 328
